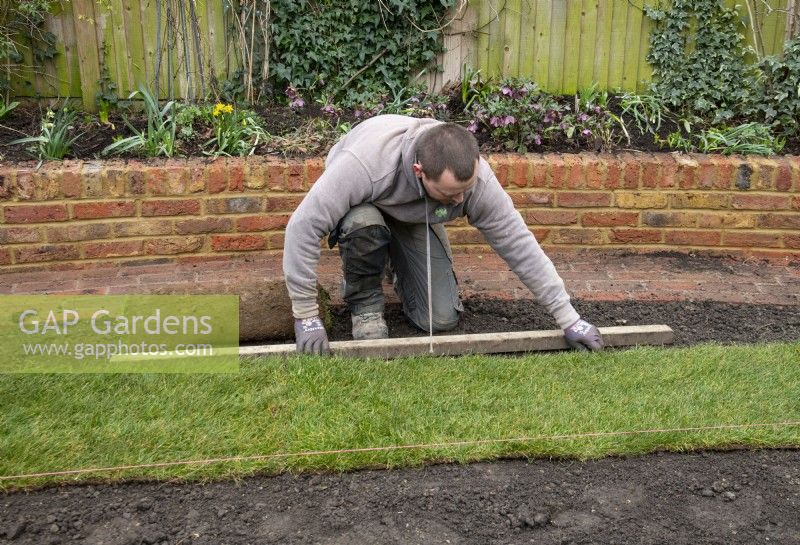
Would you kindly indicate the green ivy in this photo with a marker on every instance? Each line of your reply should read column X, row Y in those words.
column 321, row 47
column 698, row 57
column 778, row 94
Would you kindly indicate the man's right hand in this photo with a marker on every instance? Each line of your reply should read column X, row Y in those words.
column 311, row 336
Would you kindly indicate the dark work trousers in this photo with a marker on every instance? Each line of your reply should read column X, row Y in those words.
column 367, row 238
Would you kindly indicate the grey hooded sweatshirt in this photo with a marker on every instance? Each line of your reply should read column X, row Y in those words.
column 373, row 164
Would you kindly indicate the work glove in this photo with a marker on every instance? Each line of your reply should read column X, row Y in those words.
column 582, row 335
column 311, row 336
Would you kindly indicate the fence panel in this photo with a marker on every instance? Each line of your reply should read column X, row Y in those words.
column 562, row 44
column 568, row 44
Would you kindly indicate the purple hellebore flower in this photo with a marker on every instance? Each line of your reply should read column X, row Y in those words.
column 473, row 126
column 297, row 102
column 597, row 109
column 506, row 91
column 357, row 114
column 537, row 139
column 586, row 132
column 509, row 120
column 536, row 107
column 582, row 118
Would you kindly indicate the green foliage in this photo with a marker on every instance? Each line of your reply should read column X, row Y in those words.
column 778, row 94
column 186, row 115
column 22, row 24
column 5, row 108
column 413, row 100
column 106, row 96
column 355, row 48
column 55, row 139
column 698, row 56
column 473, row 86
column 517, row 113
column 236, row 132
column 647, row 111
column 158, row 137
column 747, row 139
column 590, row 123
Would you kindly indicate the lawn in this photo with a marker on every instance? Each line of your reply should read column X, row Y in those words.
column 296, row 404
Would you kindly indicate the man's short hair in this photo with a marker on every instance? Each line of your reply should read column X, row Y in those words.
column 447, row 146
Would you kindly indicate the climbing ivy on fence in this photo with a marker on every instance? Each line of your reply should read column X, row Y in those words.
column 348, row 50
column 698, row 51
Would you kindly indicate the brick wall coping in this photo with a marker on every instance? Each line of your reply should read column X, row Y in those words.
column 76, row 214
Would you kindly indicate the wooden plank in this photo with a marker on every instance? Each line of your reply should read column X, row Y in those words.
column 572, row 47
column 781, row 18
column 115, row 32
column 619, row 26
column 88, row 51
column 451, row 61
column 558, row 25
column 469, row 42
column 588, row 43
column 769, row 29
column 512, row 38
column 645, row 69
column 69, row 39
column 482, row 39
column 527, row 48
column 605, row 19
column 483, row 343
column 53, row 80
column 147, row 16
column 137, row 73
column 630, row 72
column 494, row 44
column 541, row 68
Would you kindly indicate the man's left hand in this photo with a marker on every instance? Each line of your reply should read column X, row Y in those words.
column 583, row 336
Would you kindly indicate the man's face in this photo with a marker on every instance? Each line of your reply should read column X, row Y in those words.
column 447, row 189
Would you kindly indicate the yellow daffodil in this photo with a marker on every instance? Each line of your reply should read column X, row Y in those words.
column 221, row 108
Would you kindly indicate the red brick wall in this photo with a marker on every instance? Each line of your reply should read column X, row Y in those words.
column 77, row 214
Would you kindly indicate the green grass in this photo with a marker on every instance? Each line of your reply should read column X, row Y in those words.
column 59, row 422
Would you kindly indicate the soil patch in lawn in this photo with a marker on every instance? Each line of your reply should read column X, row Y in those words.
column 693, row 322
column 711, row 497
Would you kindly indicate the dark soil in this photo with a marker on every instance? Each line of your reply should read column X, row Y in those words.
column 736, row 497
column 693, row 322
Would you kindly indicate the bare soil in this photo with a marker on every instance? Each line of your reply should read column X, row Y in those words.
column 693, row 322
column 734, row 497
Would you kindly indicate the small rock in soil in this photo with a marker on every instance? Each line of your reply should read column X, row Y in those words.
column 16, row 529
column 728, row 496
column 540, row 519
column 707, row 493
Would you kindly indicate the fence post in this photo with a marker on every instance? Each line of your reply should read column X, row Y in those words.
column 88, row 51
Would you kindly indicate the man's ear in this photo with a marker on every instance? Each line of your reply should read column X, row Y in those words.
column 417, row 170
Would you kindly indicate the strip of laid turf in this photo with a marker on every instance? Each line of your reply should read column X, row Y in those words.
column 60, row 422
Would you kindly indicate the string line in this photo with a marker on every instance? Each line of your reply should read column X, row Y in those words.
column 261, row 457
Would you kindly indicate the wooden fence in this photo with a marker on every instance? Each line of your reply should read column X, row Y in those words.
column 563, row 44
column 566, row 45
